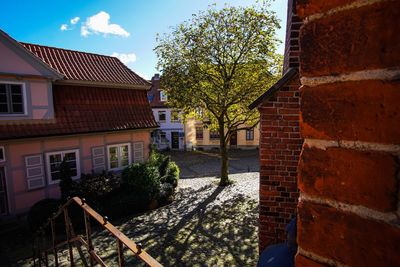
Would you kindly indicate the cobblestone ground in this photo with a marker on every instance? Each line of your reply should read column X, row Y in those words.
column 206, row 225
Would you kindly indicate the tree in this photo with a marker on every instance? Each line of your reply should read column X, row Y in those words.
column 220, row 61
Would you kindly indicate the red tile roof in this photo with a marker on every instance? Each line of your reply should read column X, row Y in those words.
column 81, row 66
column 80, row 109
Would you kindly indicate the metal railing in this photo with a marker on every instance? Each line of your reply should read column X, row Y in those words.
column 42, row 247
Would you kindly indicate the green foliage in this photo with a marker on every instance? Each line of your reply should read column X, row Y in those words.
column 95, row 186
column 67, row 185
column 172, row 174
column 219, row 62
column 41, row 211
column 142, row 178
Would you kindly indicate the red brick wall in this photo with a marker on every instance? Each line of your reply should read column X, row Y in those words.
column 280, row 146
column 348, row 213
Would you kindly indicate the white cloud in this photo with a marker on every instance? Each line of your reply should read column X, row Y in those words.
column 100, row 24
column 63, row 27
column 125, row 58
column 75, row 20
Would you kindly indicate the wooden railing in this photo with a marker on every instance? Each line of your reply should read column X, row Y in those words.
column 42, row 247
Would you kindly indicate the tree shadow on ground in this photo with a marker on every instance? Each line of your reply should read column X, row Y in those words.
column 205, row 227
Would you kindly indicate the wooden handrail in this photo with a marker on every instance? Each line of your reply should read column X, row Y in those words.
column 122, row 239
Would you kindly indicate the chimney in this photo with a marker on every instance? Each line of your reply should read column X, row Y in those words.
column 292, row 48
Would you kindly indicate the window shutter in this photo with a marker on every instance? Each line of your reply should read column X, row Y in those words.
column 98, row 159
column 138, row 153
column 34, row 171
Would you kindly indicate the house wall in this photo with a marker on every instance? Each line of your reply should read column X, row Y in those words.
column 20, row 199
column 11, row 62
column 207, row 143
column 348, row 213
column 169, row 126
column 38, row 91
column 280, row 146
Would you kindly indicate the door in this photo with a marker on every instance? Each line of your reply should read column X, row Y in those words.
column 175, row 140
column 233, row 140
column 3, row 192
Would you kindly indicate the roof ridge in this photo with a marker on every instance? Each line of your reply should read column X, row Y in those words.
column 67, row 49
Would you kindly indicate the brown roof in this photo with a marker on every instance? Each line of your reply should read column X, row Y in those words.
column 80, row 109
column 82, row 66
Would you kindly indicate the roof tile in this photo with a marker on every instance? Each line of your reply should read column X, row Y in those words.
column 82, row 109
column 82, row 66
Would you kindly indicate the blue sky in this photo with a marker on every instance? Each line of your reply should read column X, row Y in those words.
column 124, row 28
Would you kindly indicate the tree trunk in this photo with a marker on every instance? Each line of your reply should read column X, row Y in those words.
column 224, row 156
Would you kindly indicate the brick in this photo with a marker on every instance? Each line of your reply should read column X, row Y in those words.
column 306, row 8
column 361, row 178
column 346, row 237
column 364, row 110
column 302, row 261
column 352, row 40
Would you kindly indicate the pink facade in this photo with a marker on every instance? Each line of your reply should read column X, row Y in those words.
column 21, row 198
column 11, row 62
column 39, row 128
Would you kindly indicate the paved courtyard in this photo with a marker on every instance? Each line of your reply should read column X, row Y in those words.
column 206, row 225
column 205, row 163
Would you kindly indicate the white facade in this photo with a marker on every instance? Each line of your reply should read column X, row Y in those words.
column 171, row 134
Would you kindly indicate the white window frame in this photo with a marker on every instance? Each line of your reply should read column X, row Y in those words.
column 62, row 152
column 165, row 113
column 163, row 96
column 4, row 154
column 24, row 100
column 119, row 158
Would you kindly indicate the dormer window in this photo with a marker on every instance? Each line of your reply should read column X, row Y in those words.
column 163, row 96
column 12, row 98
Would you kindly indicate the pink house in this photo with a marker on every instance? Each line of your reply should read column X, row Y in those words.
column 60, row 104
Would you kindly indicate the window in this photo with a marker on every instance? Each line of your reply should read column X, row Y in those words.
column 214, row 135
column 199, row 133
column 163, row 138
column 174, row 116
column 249, row 134
column 119, row 156
column 12, row 96
column 2, row 154
column 163, row 96
column 162, row 116
column 54, row 160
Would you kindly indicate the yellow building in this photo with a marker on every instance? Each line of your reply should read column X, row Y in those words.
column 199, row 137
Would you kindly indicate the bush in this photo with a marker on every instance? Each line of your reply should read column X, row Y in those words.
column 122, row 202
column 172, row 174
column 95, row 186
column 142, row 177
column 67, row 185
column 41, row 211
column 167, row 192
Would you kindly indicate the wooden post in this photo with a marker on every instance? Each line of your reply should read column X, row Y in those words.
column 120, row 251
column 88, row 236
column 53, row 237
column 68, row 232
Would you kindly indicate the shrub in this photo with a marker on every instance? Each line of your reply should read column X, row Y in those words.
column 167, row 192
column 95, row 186
column 142, row 177
column 41, row 211
column 172, row 174
column 67, row 185
column 123, row 201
